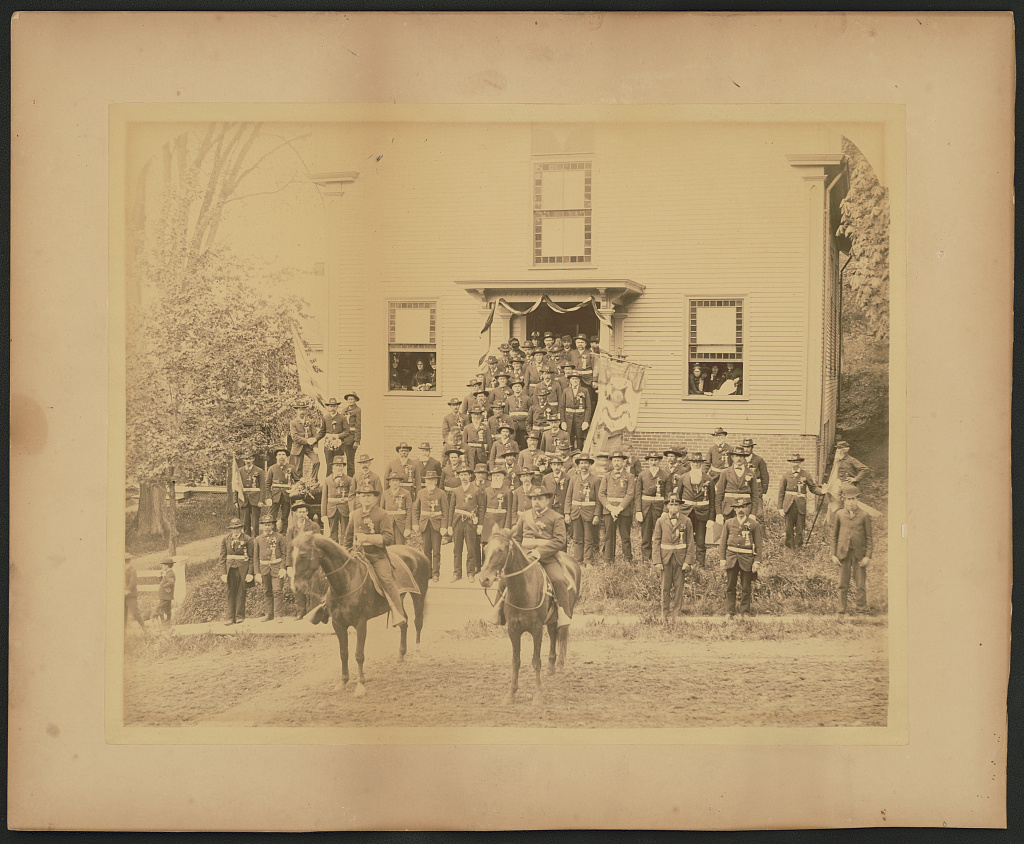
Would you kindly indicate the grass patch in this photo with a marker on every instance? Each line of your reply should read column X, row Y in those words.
column 165, row 644
column 805, row 581
column 199, row 517
column 206, row 597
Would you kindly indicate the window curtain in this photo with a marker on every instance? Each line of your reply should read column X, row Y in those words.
column 522, row 309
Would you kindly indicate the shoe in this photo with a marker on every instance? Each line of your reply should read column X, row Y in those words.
column 436, row 578
column 563, row 619
column 267, row 618
column 472, row 578
column 400, row 621
column 455, row 578
column 280, row 620
column 229, row 623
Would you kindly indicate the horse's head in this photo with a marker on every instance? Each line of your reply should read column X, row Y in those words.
column 495, row 555
column 305, row 560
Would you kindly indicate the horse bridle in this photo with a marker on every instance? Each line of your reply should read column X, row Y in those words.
column 352, row 555
column 512, row 545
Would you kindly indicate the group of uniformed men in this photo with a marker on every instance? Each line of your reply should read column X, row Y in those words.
column 511, row 446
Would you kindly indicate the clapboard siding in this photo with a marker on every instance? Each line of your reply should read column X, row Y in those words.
column 688, row 210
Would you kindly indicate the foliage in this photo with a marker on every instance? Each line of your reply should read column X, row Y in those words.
column 865, row 220
column 198, row 518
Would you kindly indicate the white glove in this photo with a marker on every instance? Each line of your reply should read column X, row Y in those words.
column 723, row 565
column 865, row 562
column 639, row 516
column 259, row 578
column 223, row 578
column 248, row 578
column 586, row 425
column 720, row 519
column 755, row 567
column 291, row 571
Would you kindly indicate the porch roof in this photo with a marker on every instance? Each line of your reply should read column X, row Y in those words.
column 611, row 291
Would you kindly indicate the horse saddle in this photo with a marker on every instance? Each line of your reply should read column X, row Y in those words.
column 399, row 571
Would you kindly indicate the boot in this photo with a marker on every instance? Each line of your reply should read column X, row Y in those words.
column 498, row 616
column 563, row 619
column 317, row 615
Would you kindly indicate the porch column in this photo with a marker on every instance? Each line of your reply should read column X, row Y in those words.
column 606, row 325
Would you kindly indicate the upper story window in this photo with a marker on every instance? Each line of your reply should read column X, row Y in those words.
column 561, row 212
column 715, row 348
column 412, row 346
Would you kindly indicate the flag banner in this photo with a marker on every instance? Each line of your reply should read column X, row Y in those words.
column 619, row 387
column 236, row 482
column 832, row 490
column 309, row 380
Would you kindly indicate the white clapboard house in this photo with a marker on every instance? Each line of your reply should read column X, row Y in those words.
column 698, row 242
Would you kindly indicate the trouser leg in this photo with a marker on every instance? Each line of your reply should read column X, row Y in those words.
column 667, row 580
column 131, row 608
column 647, row 532
column 232, row 597
column 276, row 606
column 624, row 525
column 329, row 459
column 163, row 611
column 269, row 606
column 798, row 529
column 350, row 460
column 700, row 532
column 730, row 589
column 791, row 528
column 432, row 548
column 334, row 527
column 679, row 581
column 589, row 542
column 577, row 540
column 472, row 550
column 746, row 582
column 251, row 519
column 459, row 538
column 564, row 596
column 845, row 569
column 399, row 532
column 297, row 461
column 315, row 471
column 860, row 581
column 758, row 506
column 387, row 582
column 609, row 537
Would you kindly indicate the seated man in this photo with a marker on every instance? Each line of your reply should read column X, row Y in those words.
column 541, row 532
column 372, row 530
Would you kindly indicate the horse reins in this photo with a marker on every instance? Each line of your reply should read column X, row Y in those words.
column 511, row 546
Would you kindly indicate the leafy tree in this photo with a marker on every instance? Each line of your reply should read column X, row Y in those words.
column 210, row 362
column 865, row 221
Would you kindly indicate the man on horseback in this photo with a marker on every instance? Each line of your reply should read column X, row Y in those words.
column 541, row 532
column 372, row 530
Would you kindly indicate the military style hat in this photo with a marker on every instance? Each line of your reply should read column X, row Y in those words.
column 533, row 435
column 502, row 373
column 678, row 452
column 594, row 339
column 741, row 501
column 504, row 347
column 463, row 469
column 738, row 452
column 565, row 365
column 574, row 373
column 431, row 474
column 454, row 402
column 299, row 403
column 719, row 432
column 582, row 457
column 547, row 370
column 299, row 503
column 425, row 446
column 696, row 457
column 403, row 446
column 332, row 402
column 364, row 458
column 849, row 491
column 673, row 498
column 842, row 444
column 279, row 449
column 497, row 471
column 339, row 460
column 492, row 359
column 582, row 337
column 235, row 523
column 513, row 341
column 794, row 458
column 748, row 443
column 538, row 492
column 392, row 475
column 505, row 426
column 348, row 396
column 453, row 450
column 266, row 520
column 365, row 489
column 479, row 468
column 537, row 350
column 621, row 455
column 548, row 334
column 481, row 392
column 476, row 411
column 472, row 382
column 167, row 561
column 516, row 380
column 653, row 455
column 567, row 337
column 510, row 453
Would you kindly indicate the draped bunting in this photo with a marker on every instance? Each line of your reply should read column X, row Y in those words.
column 619, row 387
column 544, row 299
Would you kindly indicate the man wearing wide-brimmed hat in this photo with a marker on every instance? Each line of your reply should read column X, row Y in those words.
column 735, row 481
column 430, row 515
column 371, row 531
column 270, row 566
column 851, row 548
column 695, row 488
column 334, row 500
column 476, row 439
column 354, row 435
column 254, row 481
column 236, row 556
column 465, row 522
column 583, row 510
column 674, row 555
column 652, row 487
column 757, row 466
column 300, row 523
column 716, row 460
column 576, row 410
column 793, row 490
column 280, row 479
column 397, row 503
column 850, row 469
column 617, row 495
column 453, row 422
column 408, row 469
column 304, row 432
column 366, row 477
column 335, row 431
column 740, row 553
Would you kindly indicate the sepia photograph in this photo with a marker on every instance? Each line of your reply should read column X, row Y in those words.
column 502, row 420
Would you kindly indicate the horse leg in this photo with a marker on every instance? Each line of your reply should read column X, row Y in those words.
column 417, row 605
column 403, row 630
column 360, row 647
column 553, row 637
column 516, row 638
column 343, row 646
column 563, row 645
column 538, row 636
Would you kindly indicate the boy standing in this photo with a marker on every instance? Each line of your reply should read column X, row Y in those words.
column 165, row 592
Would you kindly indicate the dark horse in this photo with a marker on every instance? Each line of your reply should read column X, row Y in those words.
column 352, row 598
column 528, row 608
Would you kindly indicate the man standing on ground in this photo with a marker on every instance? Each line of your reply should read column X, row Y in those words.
column 335, row 429
column 334, row 501
column 652, row 487
column 740, row 550
column 353, row 434
column 408, row 470
column 465, row 523
column 131, row 594
column 397, row 503
column 280, row 479
column 367, row 477
column 576, row 409
column 430, row 514
column 717, row 461
column 253, row 483
column 793, row 500
column 851, row 549
column 759, row 469
column 617, row 495
column 236, row 555
column 270, row 565
column 695, row 489
column 673, row 556
column 301, row 523
column 583, row 510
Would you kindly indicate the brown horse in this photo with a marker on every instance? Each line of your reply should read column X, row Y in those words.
column 352, row 598
column 528, row 607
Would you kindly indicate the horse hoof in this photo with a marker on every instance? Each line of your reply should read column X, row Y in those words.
column 360, row 691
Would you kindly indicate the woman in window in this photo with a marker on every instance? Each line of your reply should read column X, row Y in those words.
column 697, row 381
column 421, row 378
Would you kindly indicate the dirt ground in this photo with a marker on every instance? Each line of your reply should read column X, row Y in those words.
column 454, row 680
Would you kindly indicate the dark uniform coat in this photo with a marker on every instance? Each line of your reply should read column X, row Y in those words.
column 793, row 491
column 740, row 544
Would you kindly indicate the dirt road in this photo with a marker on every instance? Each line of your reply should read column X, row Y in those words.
column 454, row 680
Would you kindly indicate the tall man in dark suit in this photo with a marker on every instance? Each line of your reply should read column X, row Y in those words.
column 236, row 557
column 280, row 478
column 756, row 464
column 740, row 550
column 354, row 433
column 335, row 430
column 304, row 432
column 793, row 500
column 253, row 492
column 851, row 548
